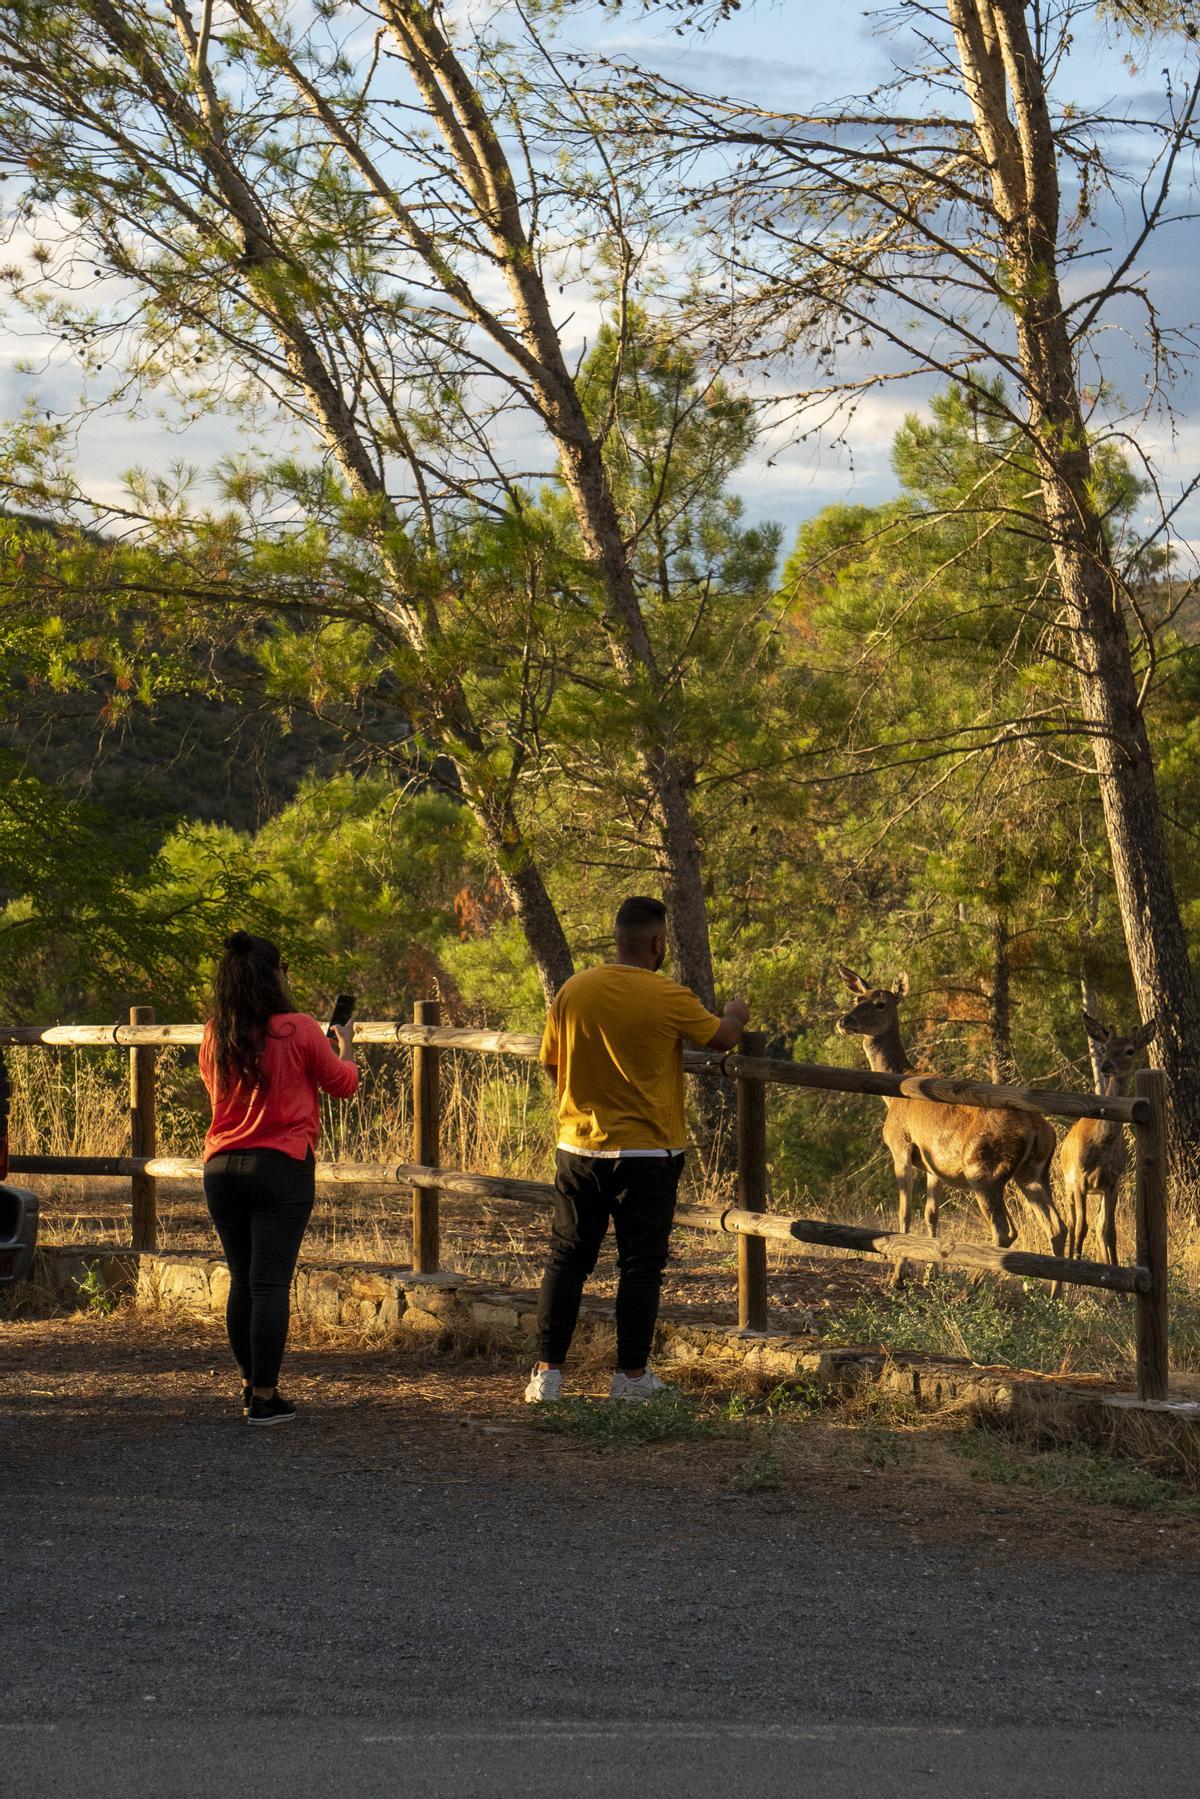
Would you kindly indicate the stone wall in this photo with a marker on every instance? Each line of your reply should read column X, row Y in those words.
column 374, row 1300
column 450, row 1309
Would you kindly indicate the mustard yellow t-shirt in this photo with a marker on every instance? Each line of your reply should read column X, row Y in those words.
column 615, row 1035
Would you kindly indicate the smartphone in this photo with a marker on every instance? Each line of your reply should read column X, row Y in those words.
column 343, row 1012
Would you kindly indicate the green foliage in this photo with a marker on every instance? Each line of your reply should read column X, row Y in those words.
column 93, row 912
column 761, row 1472
column 1073, row 1473
column 94, row 1295
column 881, row 755
column 882, row 1448
column 989, row 1323
column 672, row 1418
column 814, row 715
column 789, row 1402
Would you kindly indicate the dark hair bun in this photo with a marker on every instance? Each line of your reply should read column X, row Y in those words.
column 239, row 942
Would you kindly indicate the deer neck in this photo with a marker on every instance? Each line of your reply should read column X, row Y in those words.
column 1103, row 1130
column 886, row 1054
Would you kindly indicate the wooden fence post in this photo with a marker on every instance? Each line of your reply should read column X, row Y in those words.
column 143, row 1133
column 1150, row 1200
column 752, row 1190
column 426, row 1245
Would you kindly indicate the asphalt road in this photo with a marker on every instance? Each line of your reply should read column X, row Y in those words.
column 366, row 1604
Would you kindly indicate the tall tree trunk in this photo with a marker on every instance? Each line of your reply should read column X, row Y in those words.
column 457, row 109
column 636, row 663
column 1150, row 915
column 201, row 120
column 999, row 1002
column 1090, row 1004
column 526, row 891
column 999, row 60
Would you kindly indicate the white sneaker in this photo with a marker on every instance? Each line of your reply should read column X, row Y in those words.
column 545, row 1386
column 644, row 1386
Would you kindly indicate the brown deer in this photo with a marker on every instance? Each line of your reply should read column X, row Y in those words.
column 1093, row 1157
column 972, row 1147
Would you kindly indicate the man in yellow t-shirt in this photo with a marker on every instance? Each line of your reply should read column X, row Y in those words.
column 613, row 1045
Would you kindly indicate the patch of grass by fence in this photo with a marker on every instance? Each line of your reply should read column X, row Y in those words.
column 1018, row 1327
column 1076, row 1472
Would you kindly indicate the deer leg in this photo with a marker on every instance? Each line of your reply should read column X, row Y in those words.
column 1108, row 1226
column 989, row 1197
column 933, row 1199
column 904, row 1177
column 1077, row 1223
column 1038, row 1196
column 1039, row 1199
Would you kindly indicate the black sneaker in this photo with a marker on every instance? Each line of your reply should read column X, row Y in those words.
column 271, row 1411
column 247, row 1396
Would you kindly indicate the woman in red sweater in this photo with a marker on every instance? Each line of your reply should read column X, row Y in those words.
column 263, row 1064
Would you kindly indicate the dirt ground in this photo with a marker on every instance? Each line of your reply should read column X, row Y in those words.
column 413, row 1588
column 132, row 1376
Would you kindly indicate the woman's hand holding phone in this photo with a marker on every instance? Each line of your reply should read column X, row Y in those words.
column 341, row 1026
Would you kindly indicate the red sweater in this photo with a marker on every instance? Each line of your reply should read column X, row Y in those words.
column 281, row 1113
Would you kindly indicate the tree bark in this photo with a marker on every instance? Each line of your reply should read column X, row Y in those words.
column 203, row 124
column 526, row 891
column 1000, row 66
column 1090, row 1004
column 457, row 109
column 999, row 1003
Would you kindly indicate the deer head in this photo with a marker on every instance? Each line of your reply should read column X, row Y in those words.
column 1119, row 1056
column 877, row 1011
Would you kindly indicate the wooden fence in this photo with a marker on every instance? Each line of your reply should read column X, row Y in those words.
column 750, row 1221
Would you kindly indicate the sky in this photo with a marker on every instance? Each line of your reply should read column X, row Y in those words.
column 790, row 56
column 786, row 54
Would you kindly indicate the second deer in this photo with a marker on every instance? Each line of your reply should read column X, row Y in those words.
column 1093, row 1156
column 977, row 1148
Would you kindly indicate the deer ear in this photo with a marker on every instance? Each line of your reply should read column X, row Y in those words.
column 1100, row 1033
column 854, row 981
column 1147, row 1033
column 900, row 984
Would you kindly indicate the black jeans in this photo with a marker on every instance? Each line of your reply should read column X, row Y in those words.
column 260, row 1201
column 638, row 1194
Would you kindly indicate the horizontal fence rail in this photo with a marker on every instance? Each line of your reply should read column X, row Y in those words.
column 946, row 1252
column 524, row 1045
column 943, row 1251
column 749, row 1221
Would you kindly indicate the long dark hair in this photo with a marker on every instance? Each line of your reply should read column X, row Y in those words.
column 248, row 991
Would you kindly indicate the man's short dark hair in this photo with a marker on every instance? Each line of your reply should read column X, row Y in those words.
column 640, row 918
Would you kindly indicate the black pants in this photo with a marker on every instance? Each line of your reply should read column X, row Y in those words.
column 260, row 1201
column 638, row 1194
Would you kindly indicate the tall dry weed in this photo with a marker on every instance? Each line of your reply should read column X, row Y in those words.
column 497, row 1117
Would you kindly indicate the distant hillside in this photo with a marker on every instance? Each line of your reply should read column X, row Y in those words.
column 221, row 762
column 232, row 761
column 1187, row 620
column 1159, row 600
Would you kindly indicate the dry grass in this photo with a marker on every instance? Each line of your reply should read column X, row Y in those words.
column 68, row 1102
column 496, row 1117
column 876, row 1469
